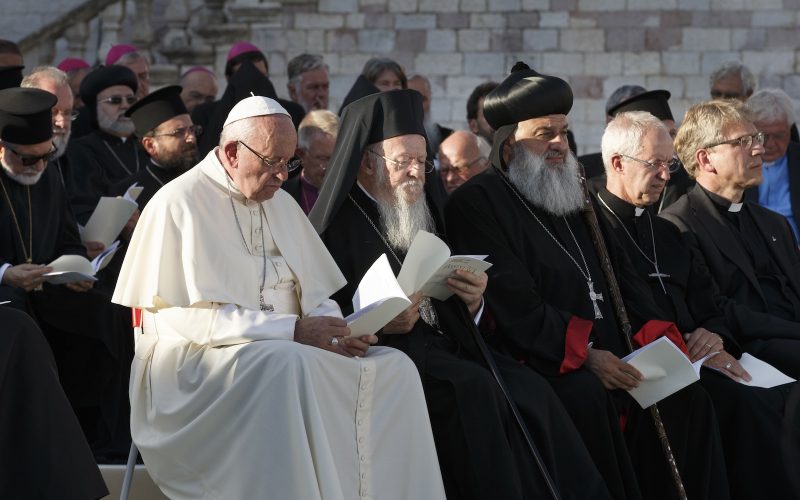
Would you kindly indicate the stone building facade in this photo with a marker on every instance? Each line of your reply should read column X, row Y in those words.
column 596, row 45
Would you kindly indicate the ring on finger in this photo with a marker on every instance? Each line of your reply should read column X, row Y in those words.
column 334, row 341
column 728, row 366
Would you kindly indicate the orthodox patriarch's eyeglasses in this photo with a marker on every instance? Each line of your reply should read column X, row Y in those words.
column 745, row 141
column 271, row 164
column 404, row 162
column 30, row 160
column 194, row 130
column 116, row 100
column 672, row 165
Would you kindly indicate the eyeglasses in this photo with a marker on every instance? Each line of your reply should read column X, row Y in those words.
column 404, row 163
column 71, row 115
column 745, row 141
column 30, row 160
column 271, row 164
column 716, row 94
column 116, row 100
column 672, row 165
column 460, row 169
column 194, row 130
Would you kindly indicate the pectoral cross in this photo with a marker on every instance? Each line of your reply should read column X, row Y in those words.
column 658, row 274
column 594, row 297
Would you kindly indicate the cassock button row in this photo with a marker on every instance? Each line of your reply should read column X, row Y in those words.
column 278, row 264
column 361, row 439
column 363, row 475
column 361, row 404
column 360, row 422
column 363, row 387
column 365, row 369
column 363, row 458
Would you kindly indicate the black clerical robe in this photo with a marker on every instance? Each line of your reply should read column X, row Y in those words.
column 99, row 160
column 755, row 269
column 481, row 451
column 43, row 453
column 750, row 418
column 90, row 337
column 545, row 317
column 150, row 178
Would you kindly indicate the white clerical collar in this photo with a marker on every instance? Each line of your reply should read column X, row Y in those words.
column 735, row 207
column 638, row 211
column 365, row 191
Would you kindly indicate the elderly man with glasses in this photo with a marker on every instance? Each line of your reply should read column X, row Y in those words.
column 246, row 382
column 87, row 334
column 460, row 158
column 637, row 150
column 750, row 251
column 108, row 154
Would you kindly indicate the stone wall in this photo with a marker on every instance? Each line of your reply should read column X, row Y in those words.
column 596, row 45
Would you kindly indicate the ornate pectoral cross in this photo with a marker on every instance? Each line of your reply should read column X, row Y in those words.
column 594, row 297
column 658, row 274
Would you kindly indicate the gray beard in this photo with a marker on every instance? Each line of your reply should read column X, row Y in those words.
column 24, row 179
column 121, row 126
column 556, row 189
column 402, row 220
column 61, row 142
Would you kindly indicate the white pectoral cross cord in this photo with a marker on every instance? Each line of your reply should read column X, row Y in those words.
column 594, row 297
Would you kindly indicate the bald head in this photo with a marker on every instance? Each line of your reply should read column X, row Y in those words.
column 198, row 87
column 460, row 157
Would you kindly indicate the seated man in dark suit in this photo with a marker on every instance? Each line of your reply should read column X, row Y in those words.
column 750, row 250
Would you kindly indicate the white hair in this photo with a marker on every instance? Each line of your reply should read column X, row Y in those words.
column 769, row 105
column 624, row 134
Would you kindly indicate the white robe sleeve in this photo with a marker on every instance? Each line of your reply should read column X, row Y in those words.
column 227, row 324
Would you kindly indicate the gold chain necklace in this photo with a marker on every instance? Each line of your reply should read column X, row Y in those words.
column 28, row 254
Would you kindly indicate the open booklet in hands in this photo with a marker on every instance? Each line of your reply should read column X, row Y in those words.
column 666, row 370
column 110, row 216
column 73, row 268
column 380, row 297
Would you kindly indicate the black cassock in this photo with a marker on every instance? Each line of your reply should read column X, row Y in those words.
column 43, row 453
column 98, row 161
column 750, row 418
column 755, row 268
column 544, row 317
column 90, row 337
column 481, row 450
column 150, row 178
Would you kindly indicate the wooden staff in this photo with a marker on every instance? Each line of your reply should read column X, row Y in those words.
column 590, row 217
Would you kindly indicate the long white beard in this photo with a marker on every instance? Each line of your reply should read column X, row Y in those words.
column 402, row 220
column 24, row 179
column 554, row 188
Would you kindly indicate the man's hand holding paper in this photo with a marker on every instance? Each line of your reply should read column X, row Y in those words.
column 469, row 287
column 405, row 321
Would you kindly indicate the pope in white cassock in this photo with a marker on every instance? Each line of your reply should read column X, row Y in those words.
column 245, row 384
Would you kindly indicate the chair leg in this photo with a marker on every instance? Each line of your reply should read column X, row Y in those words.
column 129, row 468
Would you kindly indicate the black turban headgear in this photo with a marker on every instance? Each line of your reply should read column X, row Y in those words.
column 523, row 95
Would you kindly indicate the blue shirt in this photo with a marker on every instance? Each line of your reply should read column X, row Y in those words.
column 773, row 192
